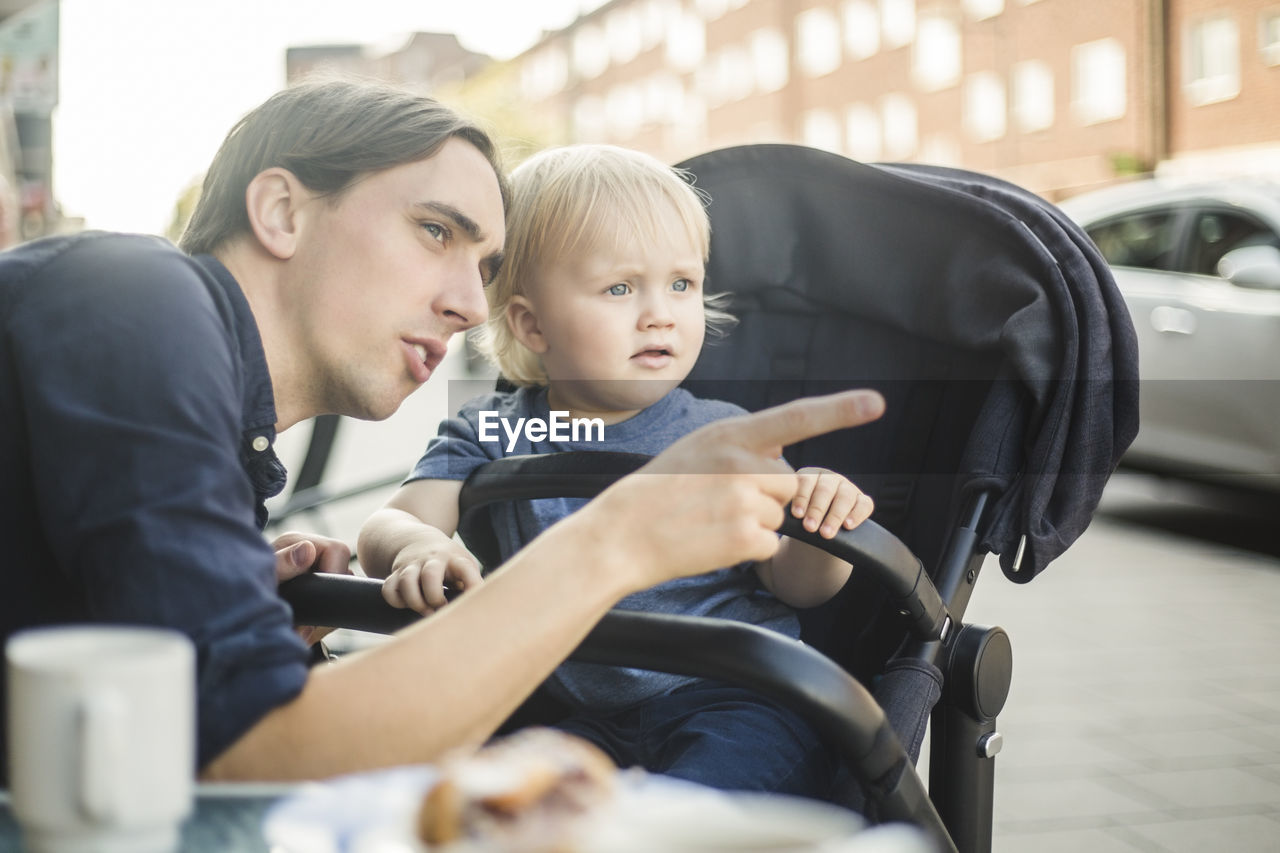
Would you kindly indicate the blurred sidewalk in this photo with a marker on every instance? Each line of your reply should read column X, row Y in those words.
column 1145, row 708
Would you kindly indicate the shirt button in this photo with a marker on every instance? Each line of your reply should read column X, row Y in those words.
column 261, row 443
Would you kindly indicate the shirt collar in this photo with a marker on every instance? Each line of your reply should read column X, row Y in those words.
column 257, row 453
column 259, row 396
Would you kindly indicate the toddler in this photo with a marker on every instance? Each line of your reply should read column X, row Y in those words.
column 597, row 315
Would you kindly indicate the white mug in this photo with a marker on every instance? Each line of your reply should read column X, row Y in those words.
column 101, row 737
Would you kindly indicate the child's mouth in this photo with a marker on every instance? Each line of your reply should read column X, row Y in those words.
column 653, row 357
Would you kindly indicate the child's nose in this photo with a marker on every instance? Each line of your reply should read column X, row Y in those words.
column 656, row 314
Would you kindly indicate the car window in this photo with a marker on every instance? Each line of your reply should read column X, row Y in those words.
column 1144, row 239
column 1217, row 232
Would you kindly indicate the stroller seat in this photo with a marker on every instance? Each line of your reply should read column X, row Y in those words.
column 1008, row 363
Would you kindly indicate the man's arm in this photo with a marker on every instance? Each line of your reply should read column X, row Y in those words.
column 452, row 679
column 133, row 399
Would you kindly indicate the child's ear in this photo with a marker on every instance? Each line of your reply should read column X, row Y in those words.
column 523, row 323
column 272, row 200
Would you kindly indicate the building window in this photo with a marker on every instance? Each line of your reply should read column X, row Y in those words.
column 545, row 74
column 984, row 106
column 1032, row 96
column 1098, row 81
column 712, row 9
column 1269, row 36
column 736, row 78
column 980, row 10
column 690, row 130
column 937, row 59
column 590, row 53
column 663, row 98
column 726, row 76
column 588, row 119
column 821, row 130
column 655, row 18
column 770, row 58
column 1213, row 60
column 622, row 31
column 862, row 133
column 624, row 110
column 818, row 42
column 899, row 126
column 861, row 29
column 897, row 22
column 686, row 42
column 941, row 149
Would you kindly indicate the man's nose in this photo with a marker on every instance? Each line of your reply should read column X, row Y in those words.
column 462, row 301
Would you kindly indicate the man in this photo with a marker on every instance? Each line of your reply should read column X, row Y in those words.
column 344, row 234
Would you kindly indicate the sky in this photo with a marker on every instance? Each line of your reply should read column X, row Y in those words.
column 148, row 88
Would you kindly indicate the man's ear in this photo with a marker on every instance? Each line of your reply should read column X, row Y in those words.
column 523, row 323
column 272, row 201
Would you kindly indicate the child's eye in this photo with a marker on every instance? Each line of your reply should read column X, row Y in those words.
column 621, row 289
column 680, row 285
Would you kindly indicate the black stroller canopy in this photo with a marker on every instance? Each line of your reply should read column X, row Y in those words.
column 947, row 257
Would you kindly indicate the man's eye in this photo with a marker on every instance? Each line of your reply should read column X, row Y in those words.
column 619, row 290
column 680, row 285
column 436, row 230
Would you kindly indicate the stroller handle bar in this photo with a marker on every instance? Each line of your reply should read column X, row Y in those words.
column 584, row 474
column 786, row 670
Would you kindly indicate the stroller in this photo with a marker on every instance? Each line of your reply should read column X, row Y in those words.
column 1008, row 363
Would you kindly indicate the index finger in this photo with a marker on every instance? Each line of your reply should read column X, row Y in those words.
column 770, row 430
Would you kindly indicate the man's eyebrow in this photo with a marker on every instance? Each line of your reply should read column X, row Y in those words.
column 460, row 219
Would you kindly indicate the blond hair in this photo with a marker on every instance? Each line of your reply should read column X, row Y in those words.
column 576, row 199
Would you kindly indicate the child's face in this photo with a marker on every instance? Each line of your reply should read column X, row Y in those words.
column 617, row 328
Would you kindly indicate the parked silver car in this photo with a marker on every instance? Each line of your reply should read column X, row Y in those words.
column 1199, row 267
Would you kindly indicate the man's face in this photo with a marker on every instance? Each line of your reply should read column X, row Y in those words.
column 386, row 275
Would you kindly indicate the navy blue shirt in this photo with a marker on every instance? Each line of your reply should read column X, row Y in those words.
column 136, row 423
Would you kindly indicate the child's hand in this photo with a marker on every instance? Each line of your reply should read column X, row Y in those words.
column 421, row 570
column 826, row 498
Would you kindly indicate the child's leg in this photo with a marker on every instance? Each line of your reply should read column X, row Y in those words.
column 734, row 739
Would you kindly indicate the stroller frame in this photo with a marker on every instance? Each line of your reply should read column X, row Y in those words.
column 955, row 810
column 1037, row 379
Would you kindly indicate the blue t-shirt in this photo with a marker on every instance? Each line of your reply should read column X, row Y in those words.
column 732, row 593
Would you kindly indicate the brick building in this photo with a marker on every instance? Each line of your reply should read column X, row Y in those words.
column 1224, row 89
column 1058, row 95
column 431, row 60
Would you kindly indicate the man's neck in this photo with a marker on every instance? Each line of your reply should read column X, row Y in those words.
column 258, row 274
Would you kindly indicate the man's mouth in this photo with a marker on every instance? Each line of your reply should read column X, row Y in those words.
column 427, row 355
